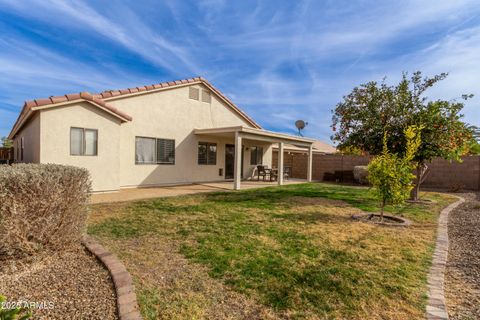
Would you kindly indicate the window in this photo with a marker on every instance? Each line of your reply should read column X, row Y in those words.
column 194, row 93
column 206, row 96
column 256, row 155
column 154, row 151
column 207, row 153
column 83, row 142
column 165, row 151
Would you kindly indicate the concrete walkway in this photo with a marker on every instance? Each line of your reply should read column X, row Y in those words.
column 172, row 191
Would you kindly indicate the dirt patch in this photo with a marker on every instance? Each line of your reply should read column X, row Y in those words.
column 174, row 288
column 386, row 220
column 462, row 277
column 73, row 283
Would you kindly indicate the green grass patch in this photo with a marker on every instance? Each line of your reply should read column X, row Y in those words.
column 300, row 257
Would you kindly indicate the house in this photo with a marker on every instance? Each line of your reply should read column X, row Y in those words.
column 176, row 132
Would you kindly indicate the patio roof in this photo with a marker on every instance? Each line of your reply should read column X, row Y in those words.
column 255, row 134
column 239, row 133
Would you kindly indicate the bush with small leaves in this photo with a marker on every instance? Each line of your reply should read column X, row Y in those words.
column 391, row 174
column 13, row 314
column 42, row 207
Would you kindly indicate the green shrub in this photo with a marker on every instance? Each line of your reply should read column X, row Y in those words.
column 391, row 174
column 13, row 314
column 42, row 206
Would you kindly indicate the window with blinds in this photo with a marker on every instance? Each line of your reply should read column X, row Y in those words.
column 256, row 155
column 83, row 142
column 207, row 153
column 154, row 151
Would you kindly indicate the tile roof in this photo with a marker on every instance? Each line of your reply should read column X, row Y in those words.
column 98, row 99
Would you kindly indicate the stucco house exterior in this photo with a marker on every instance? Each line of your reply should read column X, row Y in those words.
column 176, row 132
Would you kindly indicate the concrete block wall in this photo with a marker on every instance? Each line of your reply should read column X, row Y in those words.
column 443, row 174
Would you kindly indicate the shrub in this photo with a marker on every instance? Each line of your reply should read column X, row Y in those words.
column 42, row 206
column 391, row 174
column 18, row 313
column 360, row 174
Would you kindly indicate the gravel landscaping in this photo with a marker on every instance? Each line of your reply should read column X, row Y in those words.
column 462, row 277
column 75, row 282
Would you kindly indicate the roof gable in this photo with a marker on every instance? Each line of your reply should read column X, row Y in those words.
column 123, row 93
column 100, row 100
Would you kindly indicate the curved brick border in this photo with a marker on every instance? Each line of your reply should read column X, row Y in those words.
column 436, row 308
column 126, row 299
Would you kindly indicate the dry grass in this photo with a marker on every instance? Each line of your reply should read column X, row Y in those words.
column 290, row 252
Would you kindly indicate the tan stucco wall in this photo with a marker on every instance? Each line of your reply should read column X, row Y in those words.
column 167, row 114
column 55, row 142
column 31, row 140
column 171, row 114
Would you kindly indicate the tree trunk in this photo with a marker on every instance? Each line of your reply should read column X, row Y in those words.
column 422, row 171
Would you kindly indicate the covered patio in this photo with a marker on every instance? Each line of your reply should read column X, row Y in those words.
column 240, row 135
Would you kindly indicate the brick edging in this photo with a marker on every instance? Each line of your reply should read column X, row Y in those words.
column 127, row 306
column 436, row 307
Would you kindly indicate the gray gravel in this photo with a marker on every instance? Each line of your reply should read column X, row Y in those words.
column 462, row 277
column 75, row 282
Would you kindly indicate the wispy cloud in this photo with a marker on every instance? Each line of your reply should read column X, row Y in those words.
column 278, row 61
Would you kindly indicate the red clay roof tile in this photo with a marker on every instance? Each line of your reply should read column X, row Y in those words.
column 97, row 98
column 58, row 99
column 30, row 104
column 42, row 102
column 73, row 96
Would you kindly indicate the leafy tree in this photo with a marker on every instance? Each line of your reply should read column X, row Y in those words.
column 391, row 175
column 474, row 148
column 6, row 143
column 373, row 108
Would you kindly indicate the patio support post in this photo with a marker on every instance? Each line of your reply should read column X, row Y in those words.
column 310, row 163
column 280, row 163
column 238, row 162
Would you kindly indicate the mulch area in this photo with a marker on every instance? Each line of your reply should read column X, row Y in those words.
column 462, row 277
column 74, row 283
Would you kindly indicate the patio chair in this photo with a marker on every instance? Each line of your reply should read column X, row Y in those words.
column 262, row 171
column 286, row 173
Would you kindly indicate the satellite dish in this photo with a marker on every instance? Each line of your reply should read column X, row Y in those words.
column 300, row 124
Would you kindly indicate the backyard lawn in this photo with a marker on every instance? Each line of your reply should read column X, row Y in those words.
column 278, row 252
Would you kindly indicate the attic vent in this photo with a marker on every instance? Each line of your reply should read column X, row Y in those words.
column 194, row 93
column 206, row 96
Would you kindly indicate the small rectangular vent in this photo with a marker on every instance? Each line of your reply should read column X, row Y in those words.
column 206, row 96
column 194, row 93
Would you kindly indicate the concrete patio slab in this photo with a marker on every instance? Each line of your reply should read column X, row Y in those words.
column 131, row 194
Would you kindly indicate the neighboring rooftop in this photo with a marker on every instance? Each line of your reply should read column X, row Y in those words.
column 318, row 147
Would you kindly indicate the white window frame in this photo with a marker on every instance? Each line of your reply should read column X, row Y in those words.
column 155, row 162
column 83, row 152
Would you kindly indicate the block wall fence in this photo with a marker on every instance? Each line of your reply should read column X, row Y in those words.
column 339, row 168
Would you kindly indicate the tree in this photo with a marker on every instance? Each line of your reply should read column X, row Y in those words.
column 6, row 143
column 391, row 175
column 373, row 108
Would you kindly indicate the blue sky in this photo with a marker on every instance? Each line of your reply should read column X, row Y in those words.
column 278, row 60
